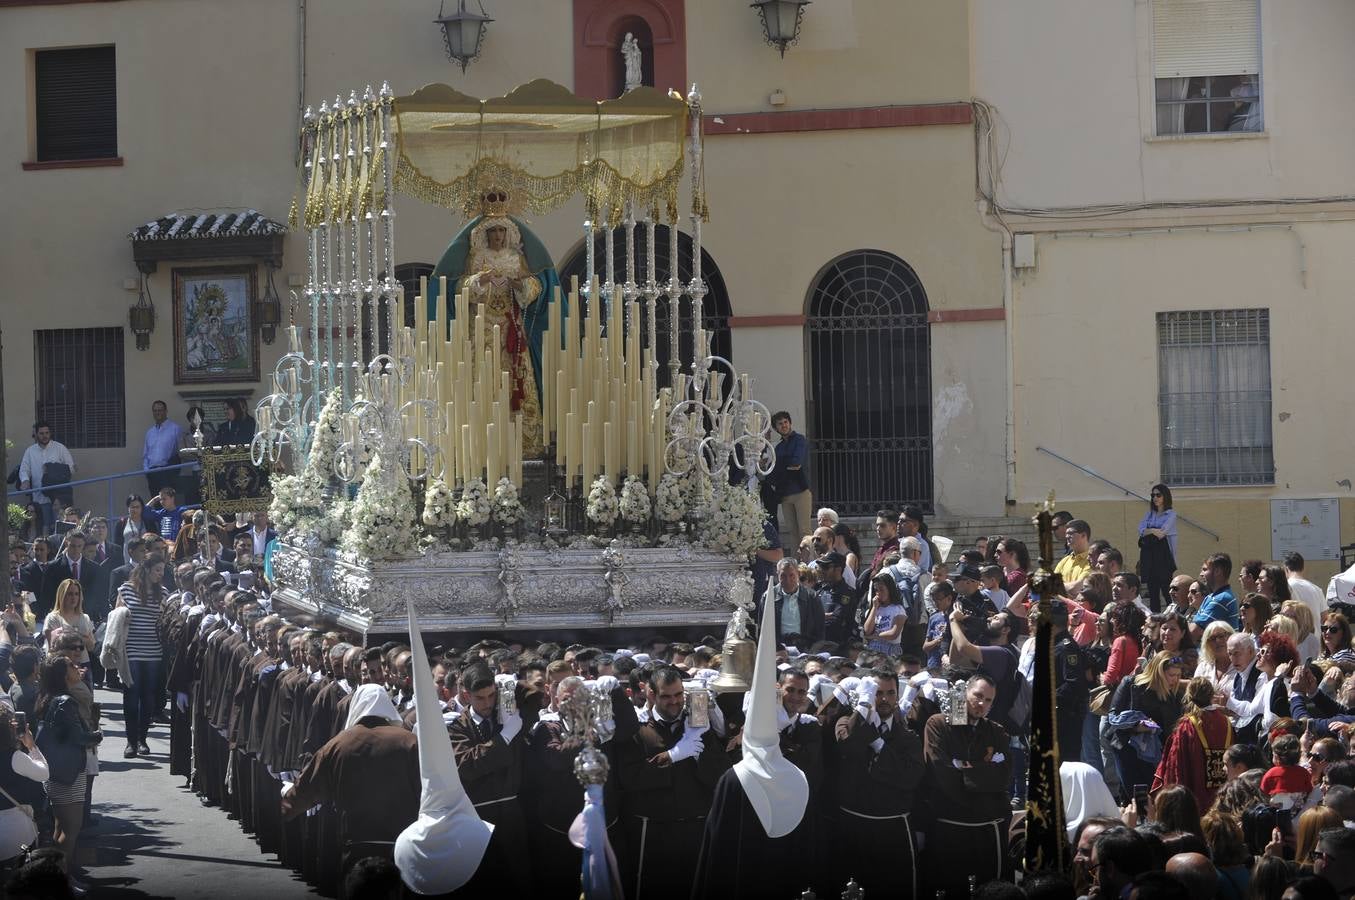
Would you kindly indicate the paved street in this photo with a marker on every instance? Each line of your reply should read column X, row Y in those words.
column 153, row 838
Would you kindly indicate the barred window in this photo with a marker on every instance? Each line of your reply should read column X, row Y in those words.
column 1214, row 397
column 79, row 378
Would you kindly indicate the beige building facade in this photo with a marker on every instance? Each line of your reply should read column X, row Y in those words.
column 1180, row 200
column 863, row 287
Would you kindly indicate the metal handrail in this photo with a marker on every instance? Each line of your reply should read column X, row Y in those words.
column 131, row 474
column 112, row 506
column 1132, row 493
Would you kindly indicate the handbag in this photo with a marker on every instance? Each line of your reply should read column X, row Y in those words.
column 25, row 849
column 1098, row 701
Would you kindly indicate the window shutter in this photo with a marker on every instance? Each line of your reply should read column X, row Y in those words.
column 1193, row 38
column 77, row 103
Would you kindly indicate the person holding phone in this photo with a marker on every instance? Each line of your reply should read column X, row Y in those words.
column 65, row 738
column 20, row 785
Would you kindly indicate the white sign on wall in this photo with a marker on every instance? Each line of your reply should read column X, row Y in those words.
column 1311, row 527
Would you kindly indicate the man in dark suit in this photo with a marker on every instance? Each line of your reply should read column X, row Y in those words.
column 799, row 614
column 106, row 553
column 70, row 564
column 33, row 573
column 96, row 605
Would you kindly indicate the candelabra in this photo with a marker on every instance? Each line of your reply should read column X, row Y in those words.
column 713, row 429
column 375, row 426
column 285, row 417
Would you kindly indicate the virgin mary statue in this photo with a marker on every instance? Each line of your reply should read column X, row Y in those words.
column 510, row 279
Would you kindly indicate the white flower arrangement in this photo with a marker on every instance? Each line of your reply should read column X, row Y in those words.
column 735, row 523
column 438, row 510
column 668, row 501
column 602, row 506
column 507, row 507
column 299, row 505
column 285, row 510
column 635, row 506
column 325, row 440
column 330, row 526
column 383, row 524
column 473, row 508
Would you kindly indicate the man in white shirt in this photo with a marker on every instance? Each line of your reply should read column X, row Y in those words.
column 1240, row 686
column 44, row 450
column 1301, row 588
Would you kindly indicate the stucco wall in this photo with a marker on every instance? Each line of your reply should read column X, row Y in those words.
column 207, row 112
column 1073, row 85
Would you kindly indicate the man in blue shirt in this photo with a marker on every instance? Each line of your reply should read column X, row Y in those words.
column 1220, row 604
column 161, row 447
column 790, row 479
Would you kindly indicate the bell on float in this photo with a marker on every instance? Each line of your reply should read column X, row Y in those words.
column 736, row 665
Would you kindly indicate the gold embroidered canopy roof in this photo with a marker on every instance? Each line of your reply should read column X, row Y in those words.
column 540, row 143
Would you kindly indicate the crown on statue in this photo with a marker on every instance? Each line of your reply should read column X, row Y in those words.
column 495, row 203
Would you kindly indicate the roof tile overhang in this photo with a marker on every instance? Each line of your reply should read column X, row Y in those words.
column 207, row 235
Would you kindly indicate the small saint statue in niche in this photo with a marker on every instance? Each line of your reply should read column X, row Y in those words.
column 630, row 52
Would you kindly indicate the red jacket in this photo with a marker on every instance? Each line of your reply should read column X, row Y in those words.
column 1286, row 780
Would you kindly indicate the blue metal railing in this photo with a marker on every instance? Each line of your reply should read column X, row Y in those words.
column 115, row 506
column 1132, row 493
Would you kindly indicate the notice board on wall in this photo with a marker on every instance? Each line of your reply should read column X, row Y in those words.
column 1310, row 527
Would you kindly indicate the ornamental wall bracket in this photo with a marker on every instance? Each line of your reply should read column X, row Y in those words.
column 614, row 558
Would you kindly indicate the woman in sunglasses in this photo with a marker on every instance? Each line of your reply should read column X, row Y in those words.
column 1214, row 663
column 1157, row 546
column 1336, row 639
column 1143, row 713
column 1255, row 611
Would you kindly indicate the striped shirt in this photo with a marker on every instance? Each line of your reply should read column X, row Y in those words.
column 143, row 631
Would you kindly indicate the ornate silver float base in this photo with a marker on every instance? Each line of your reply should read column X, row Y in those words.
column 519, row 587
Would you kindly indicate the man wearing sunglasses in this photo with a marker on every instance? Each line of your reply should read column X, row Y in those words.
column 1334, row 860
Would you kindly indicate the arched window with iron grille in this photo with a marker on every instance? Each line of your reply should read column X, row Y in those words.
column 869, row 385
column 715, row 308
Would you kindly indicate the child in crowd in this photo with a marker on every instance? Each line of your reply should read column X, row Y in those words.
column 1286, row 776
column 992, row 578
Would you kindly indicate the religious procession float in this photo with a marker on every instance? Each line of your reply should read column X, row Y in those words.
column 519, row 459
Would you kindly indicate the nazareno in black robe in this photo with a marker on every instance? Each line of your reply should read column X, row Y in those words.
column 737, row 857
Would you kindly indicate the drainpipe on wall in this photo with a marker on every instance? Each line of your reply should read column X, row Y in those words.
column 993, row 223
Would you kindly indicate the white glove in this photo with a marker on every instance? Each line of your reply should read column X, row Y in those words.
column 689, row 745
column 607, row 683
column 843, row 691
column 815, row 681
column 998, row 757
column 911, row 688
column 181, row 701
column 782, row 718
column 865, row 701
column 877, row 745
column 511, row 726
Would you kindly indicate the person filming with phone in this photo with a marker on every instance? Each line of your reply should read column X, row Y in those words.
column 21, row 780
